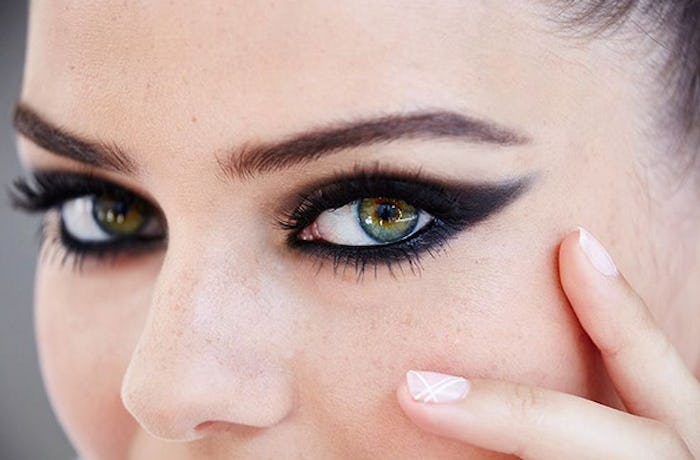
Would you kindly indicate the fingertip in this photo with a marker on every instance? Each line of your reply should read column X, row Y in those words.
column 598, row 257
column 402, row 394
column 433, row 400
column 568, row 248
column 416, row 411
column 570, row 261
column 409, row 405
column 570, row 242
column 406, row 401
column 604, row 303
column 587, row 270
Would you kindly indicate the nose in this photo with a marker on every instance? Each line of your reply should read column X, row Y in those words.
column 215, row 352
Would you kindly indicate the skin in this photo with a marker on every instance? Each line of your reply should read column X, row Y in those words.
column 235, row 346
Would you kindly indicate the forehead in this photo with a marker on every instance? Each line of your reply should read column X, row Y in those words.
column 195, row 76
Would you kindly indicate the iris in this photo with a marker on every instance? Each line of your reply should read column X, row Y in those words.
column 387, row 220
column 119, row 216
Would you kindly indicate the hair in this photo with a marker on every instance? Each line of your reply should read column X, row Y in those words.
column 675, row 26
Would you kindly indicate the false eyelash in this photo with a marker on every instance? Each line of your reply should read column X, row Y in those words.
column 431, row 240
column 48, row 189
column 54, row 244
column 454, row 204
column 454, row 208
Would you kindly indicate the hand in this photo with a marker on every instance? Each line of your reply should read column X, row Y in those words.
column 659, row 391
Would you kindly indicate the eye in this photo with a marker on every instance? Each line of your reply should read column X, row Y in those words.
column 367, row 222
column 94, row 219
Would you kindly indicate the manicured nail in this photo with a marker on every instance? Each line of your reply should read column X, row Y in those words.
column 596, row 253
column 428, row 386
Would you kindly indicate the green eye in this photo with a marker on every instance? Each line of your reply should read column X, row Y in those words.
column 387, row 220
column 118, row 216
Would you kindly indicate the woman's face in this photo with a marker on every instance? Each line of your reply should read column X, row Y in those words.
column 243, row 338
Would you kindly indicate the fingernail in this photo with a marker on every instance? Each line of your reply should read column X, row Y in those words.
column 596, row 253
column 435, row 387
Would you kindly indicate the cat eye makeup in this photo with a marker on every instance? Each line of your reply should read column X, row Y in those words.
column 372, row 218
column 96, row 218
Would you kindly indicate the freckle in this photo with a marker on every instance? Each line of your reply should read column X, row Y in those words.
column 194, row 119
column 408, row 321
column 72, row 67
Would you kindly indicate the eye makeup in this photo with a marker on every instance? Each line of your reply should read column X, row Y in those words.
column 83, row 202
column 452, row 208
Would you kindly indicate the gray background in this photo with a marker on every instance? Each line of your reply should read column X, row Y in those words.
column 28, row 428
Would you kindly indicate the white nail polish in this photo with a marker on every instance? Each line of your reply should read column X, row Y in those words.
column 596, row 253
column 435, row 387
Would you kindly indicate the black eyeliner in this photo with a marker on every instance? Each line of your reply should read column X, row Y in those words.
column 454, row 206
column 47, row 190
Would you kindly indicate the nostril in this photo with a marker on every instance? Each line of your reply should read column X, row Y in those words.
column 184, row 409
column 215, row 427
column 161, row 422
column 204, row 426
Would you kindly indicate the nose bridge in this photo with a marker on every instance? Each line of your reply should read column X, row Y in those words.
column 216, row 346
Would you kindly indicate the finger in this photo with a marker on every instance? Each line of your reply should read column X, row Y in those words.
column 649, row 375
column 531, row 422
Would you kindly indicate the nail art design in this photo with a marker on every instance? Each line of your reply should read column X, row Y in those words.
column 428, row 386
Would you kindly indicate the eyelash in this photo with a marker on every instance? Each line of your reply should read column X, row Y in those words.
column 454, row 208
column 49, row 190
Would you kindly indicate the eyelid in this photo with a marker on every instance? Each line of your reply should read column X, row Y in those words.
column 43, row 189
column 455, row 205
column 455, row 208
column 412, row 186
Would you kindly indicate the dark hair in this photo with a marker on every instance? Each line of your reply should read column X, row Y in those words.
column 673, row 24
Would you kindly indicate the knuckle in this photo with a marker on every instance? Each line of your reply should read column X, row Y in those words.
column 526, row 404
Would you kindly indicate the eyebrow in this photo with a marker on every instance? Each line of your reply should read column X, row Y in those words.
column 263, row 157
column 61, row 142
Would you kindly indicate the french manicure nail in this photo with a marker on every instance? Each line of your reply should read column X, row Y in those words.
column 435, row 387
column 596, row 253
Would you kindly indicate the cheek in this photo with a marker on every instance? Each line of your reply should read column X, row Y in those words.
column 86, row 329
column 498, row 315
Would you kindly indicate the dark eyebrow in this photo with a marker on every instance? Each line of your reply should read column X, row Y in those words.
column 260, row 157
column 313, row 144
column 61, row 142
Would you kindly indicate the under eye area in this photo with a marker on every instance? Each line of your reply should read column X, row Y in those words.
column 368, row 222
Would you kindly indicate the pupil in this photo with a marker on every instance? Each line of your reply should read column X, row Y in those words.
column 119, row 216
column 119, row 207
column 388, row 212
column 113, row 211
